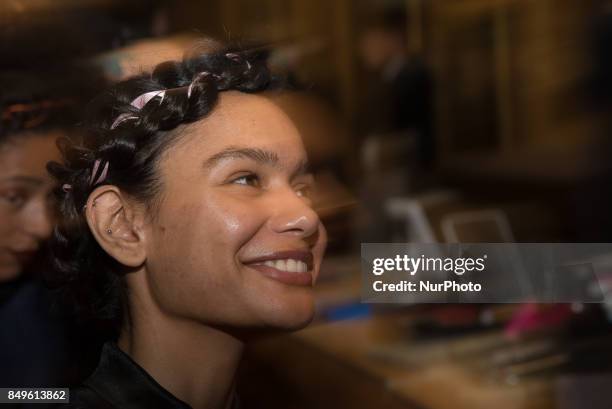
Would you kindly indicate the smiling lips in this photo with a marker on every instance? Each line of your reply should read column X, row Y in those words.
column 288, row 267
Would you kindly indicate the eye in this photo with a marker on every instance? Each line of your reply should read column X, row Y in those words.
column 249, row 179
column 304, row 186
column 13, row 198
column 303, row 190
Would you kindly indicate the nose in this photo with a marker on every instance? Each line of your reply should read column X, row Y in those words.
column 37, row 220
column 291, row 214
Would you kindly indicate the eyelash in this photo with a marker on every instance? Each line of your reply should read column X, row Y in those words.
column 303, row 191
column 253, row 180
column 247, row 177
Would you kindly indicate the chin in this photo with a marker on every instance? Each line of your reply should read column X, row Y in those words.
column 9, row 273
column 297, row 323
column 292, row 317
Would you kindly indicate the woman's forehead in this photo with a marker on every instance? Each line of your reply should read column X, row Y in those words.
column 246, row 121
column 28, row 154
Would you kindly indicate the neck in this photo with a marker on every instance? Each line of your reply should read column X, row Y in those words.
column 194, row 362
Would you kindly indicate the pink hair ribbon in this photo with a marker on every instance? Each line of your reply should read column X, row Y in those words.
column 92, row 180
column 139, row 102
column 143, row 99
column 67, row 187
column 194, row 80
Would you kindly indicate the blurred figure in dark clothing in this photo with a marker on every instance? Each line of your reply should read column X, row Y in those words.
column 399, row 97
column 397, row 151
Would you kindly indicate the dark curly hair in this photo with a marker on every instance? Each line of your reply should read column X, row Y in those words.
column 132, row 147
column 36, row 102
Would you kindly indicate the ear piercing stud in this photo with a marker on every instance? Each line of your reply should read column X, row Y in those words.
column 92, row 205
column 109, row 231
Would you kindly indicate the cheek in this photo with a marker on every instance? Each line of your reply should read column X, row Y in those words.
column 318, row 249
column 8, row 226
column 194, row 265
column 5, row 227
column 201, row 225
column 321, row 243
column 10, row 267
column 233, row 221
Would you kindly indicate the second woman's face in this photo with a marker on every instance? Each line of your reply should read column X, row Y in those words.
column 234, row 240
column 25, row 189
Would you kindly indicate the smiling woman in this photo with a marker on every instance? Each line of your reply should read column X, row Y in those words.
column 188, row 223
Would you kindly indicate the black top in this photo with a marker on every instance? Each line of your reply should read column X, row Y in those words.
column 119, row 382
column 40, row 345
column 25, row 314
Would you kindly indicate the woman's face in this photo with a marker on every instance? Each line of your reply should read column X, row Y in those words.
column 235, row 241
column 25, row 190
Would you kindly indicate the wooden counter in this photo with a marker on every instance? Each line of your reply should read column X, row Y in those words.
column 343, row 365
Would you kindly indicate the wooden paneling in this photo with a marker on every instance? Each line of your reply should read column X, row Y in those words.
column 524, row 57
column 16, row 8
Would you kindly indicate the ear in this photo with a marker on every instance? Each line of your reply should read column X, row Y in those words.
column 116, row 223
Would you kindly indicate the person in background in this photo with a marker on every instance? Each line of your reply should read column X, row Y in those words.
column 395, row 120
column 399, row 98
column 36, row 348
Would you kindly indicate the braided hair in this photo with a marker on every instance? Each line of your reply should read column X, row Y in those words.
column 129, row 140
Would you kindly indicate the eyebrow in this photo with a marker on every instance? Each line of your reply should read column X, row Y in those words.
column 258, row 155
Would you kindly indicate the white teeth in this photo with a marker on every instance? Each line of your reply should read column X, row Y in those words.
column 288, row 265
column 280, row 265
